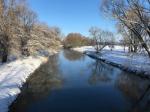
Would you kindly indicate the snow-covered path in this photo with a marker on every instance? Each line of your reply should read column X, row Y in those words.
column 137, row 63
column 13, row 75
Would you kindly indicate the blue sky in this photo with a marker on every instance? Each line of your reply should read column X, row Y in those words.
column 72, row 15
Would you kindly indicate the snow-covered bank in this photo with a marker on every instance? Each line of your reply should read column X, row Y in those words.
column 136, row 63
column 13, row 75
column 91, row 48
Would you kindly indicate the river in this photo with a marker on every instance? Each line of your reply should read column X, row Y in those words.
column 73, row 82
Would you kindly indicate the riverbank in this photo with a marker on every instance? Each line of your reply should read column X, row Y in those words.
column 13, row 75
column 135, row 63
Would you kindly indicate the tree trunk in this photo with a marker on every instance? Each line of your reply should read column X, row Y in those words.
column 24, row 47
column 5, row 47
column 124, row 48
column 4, row 57
column 4, row 53
column 144, row 45
column 146, row 48
column 135, row 48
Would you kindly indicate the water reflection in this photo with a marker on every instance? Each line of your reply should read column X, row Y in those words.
column 40, row 84
column 136, row 91
column 73, row 82
column 72, row 55
column 101, row 72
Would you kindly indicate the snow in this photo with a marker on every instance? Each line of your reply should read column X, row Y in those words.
column 13, row 75
column 84, row 48
column 135, row 62
column 91, row 48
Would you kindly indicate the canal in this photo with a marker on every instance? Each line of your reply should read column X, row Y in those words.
column 73, row 82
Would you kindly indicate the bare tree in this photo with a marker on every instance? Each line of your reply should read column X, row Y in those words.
column 109, row 39
column 27, row 19
column 56, row 31
column 98, row 38
column 128, row 39
column 75, row 40
column 7, row 22
column 134, row 15
column 19, row 29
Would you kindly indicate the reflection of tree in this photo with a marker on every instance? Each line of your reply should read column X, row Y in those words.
column 46, row 78
column 101, row 72
column 143, row 102
column 137, row 90
column 72, row 55
column 40, row 84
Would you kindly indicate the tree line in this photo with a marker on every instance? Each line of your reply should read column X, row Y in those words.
column 97, row 38
column 21, row 31
column 133, row 21
column 101, row 38
column 76, row 40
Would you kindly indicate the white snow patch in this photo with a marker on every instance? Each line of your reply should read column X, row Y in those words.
column 91, row 48
column 84, row 48
column 13, row 75
column 133, row 61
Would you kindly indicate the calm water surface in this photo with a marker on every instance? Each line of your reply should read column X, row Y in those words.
column 73, row 82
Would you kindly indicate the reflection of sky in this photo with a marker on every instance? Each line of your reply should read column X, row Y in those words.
column 77, row 93
column 79, row 73
column 74, row 72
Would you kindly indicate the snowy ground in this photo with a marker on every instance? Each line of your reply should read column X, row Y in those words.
column 13, row 75
column 138, row 63
column 91, row 48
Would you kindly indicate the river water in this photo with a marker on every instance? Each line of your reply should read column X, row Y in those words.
column 73, row 82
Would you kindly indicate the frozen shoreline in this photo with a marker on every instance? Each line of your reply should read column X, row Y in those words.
column 12, row 77
column 134, row 63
